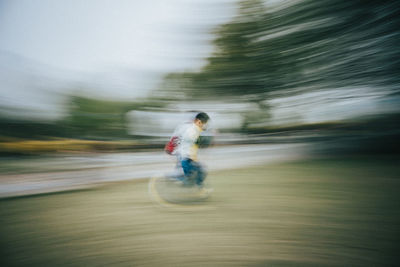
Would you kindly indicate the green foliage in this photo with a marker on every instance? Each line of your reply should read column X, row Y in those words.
column 234, row 69
column 308, row 44
column 25, row 129
column 97, row 118
column 101, row 119
column 87, row 118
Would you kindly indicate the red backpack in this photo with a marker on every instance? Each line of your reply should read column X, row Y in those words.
column 171, row 145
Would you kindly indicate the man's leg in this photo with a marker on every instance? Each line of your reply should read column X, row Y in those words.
column 189, row 171
column 201, row 174
column 194, row 172
column 179, row 174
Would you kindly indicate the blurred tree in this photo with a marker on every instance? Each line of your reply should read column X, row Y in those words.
column 87, row 118
column 91, row 118
column 336, row 43
column 101, row 119
column 28, row 129
column 306, row 45
column 297, row 47
column 235, row 68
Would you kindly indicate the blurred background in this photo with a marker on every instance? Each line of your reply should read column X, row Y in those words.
column 118, row 76
column 304, row 100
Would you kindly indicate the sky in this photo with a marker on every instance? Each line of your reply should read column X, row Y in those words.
column 100, row 38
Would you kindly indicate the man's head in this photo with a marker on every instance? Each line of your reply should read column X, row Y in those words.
column 201, row 119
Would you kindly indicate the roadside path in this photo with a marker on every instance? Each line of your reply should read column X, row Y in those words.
column 88, row 171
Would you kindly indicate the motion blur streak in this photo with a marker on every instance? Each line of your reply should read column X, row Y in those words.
column 304, row 101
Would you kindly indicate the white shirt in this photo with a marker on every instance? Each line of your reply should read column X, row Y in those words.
column 188, row 138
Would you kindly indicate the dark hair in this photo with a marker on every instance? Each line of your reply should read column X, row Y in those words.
column 202, row 116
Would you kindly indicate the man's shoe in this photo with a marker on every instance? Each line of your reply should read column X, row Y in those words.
column 205, row 192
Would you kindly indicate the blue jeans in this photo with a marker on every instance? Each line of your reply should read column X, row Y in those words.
column 194, row 172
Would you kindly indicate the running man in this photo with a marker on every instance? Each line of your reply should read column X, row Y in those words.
column 187, row 150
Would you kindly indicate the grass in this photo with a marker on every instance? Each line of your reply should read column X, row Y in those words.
column 306, row 213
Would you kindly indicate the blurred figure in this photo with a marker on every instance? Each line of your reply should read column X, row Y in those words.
column 184, row 144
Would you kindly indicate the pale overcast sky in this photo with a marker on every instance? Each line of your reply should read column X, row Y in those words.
column 93, row 35
column 116, row 48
